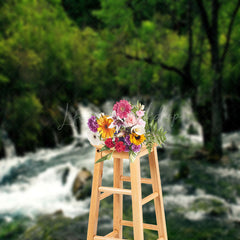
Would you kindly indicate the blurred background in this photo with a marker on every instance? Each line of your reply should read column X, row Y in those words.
column 62, row 60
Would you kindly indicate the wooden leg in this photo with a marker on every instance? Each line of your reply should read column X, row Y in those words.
column 117, row 198
column 158, row 202
column 95, row 198
column 136, row 199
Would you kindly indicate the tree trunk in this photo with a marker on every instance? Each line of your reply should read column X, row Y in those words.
column 216, row 130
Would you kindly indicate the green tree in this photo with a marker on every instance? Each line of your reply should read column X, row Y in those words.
column 183, row 39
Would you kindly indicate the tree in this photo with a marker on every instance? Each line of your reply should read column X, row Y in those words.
column 200, row 67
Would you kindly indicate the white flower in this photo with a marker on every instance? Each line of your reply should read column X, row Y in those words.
column 142, row 107
column 94, row 138
column 138, row 129
column 98, row 115
column 141, row 122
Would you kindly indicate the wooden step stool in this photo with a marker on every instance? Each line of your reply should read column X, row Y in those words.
column 100, row 192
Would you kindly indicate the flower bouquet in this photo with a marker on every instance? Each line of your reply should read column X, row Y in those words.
column 127, row 129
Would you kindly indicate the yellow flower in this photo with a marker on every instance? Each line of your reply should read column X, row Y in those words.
column 103, row 129
column 137, row 139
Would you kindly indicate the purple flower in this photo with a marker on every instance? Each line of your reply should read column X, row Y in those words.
column 136, row 148
column 92, row 124
column 127, row 140
column 126, row 148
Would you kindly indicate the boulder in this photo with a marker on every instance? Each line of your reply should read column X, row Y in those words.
column 183, row 172
column 200, row 154
column 211, row 207
column 55, row 227
column 82, row 184
column 232, row 147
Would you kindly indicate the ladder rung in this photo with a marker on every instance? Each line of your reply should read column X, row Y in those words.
column 143, row 180
column 145, row 225
column 104, row 195
column 107, row 238
column 115, row 190
column 112, row 234
column 149, row 198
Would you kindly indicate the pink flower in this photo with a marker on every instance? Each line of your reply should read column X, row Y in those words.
column 130, row 120
column 122, row 108
column 141, row 122
column 140, row 113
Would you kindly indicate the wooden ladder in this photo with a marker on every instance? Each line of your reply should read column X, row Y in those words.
column 100, row 192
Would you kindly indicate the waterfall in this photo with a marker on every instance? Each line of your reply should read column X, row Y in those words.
column 85, row 112
column 72, row 121
column 188, row 119
column 73, row 125
column 8, row 145
column 164, row 119
column 78, row 119
column 108, row 107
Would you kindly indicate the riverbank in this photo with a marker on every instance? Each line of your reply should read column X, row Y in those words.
column 201, row 199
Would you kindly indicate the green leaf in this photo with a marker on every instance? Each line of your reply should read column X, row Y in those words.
column 132, row 156
column 104, row 148
column 106, row 157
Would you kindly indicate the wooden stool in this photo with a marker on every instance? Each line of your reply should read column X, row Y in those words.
column 99, row 192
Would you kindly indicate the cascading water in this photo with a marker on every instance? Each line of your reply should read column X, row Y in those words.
column 32, row 184
column 164, row 117
column 9, row 148
column 187, row 120
column 85, row 113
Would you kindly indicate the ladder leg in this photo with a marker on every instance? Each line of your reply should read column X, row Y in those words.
column 95, row 198
column 117, row 198
column 158, row 202
column 136, row 199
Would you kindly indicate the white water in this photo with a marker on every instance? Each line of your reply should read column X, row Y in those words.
column 43, row 192
column 8, row 145
column 176, row 196
column 188, row 119
column 164, row 119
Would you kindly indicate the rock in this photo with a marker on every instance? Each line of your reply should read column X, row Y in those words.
column 82, row 184
column 225, row 159
column 200, row 154
column 56, row 227
column 211, row 207
column 214, row 158
column 64, row 174
column 192, row 130
column 232, row 147
column 183, row 172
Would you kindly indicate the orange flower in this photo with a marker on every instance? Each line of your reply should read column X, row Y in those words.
column 104, row 130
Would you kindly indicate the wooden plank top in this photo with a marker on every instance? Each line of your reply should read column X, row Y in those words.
column 124, row 155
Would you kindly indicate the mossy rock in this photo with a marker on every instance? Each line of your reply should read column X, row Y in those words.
column 212, row 207
column 55, row 227
column 82, row 184
column 11, row 230
column 183, row 171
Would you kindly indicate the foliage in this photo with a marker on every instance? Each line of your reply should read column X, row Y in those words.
column 154, row 134
column 71, row 51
